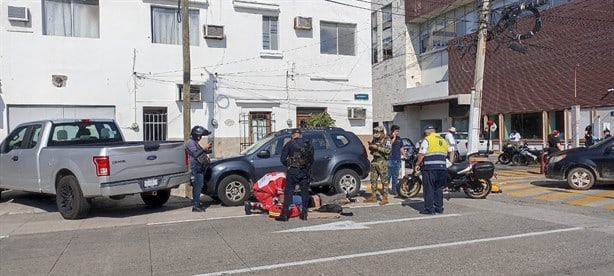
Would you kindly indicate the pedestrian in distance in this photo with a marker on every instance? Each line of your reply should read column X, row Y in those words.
column 606, row 134
column 451, row 144
column 297, row 156
column 432, row 162
column 379, row 165
column 199, row 161
column 515, row 139
column 588, row 136
column 397, row 154
column 554, row 142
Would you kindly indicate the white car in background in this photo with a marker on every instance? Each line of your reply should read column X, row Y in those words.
column 462, row 143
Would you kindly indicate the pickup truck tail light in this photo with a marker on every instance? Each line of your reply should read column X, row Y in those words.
column 102, row 164
column 466, row 145
column 187, row 159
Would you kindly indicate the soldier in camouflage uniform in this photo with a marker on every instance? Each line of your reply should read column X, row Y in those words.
column 379, row 165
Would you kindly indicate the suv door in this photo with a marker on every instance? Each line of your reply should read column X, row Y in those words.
column 272, row 163
column 322, row 155
column 605, row 161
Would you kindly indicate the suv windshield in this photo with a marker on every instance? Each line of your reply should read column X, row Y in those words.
column 255, row 146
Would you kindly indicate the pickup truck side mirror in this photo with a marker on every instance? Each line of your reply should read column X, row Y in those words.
column 264, row 154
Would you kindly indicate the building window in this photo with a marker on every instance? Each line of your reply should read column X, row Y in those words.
column 259, row 125
column 337, row 38
column 166, row 30
column 435, row 33
column 529, row 125
column 269, row 33
column 155, row 123
column 374, row 49
column 434, row 123
column 387, row 32
column 77, row 18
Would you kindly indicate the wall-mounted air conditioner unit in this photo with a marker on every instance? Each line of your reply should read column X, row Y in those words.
column 302, row 23
column 194, row 93
column 214, row 31
column 18, row 14
column 357, row 113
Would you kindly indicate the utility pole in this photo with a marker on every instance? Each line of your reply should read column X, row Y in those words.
column 185, row 90
column 475, row 109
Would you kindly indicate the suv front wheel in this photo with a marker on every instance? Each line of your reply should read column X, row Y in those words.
column 233, row 190
column 347, row 181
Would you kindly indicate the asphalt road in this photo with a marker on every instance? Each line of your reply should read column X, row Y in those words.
column 501, row 235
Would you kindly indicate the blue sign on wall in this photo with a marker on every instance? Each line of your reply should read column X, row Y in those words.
column 361, row 97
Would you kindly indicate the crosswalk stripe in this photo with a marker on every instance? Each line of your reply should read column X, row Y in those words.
column 556, row 195
column 589, row 199
column 526, row 192
column 523, row 185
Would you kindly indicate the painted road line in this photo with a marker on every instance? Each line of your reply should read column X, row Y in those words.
column 515, row 173
column 193, row 220
column 350, row 225
column 591, row 199
column 557, row 195
column 3, row 237
column 390, row 251
column 507, row 187
column 527, row 192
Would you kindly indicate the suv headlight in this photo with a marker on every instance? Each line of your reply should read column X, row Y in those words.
column 557, row 158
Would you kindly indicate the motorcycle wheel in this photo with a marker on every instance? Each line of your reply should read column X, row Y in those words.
column 478, row 189
column 504, row 158
column 409, row 186
column 517, row 160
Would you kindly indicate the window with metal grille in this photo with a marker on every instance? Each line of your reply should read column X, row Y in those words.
column 259, row 125
column 155, row 123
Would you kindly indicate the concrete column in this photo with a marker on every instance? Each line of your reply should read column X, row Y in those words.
column 546, row 127
column 501, row 130
column 575, row 125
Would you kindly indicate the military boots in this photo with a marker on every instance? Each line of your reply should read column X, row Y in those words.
column 384, row 199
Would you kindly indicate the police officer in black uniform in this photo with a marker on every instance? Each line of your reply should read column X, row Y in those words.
column 297, row 156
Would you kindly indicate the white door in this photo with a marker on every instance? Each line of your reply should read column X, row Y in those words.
column 18, row 114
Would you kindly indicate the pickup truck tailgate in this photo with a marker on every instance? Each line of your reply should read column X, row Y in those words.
column 147, row 160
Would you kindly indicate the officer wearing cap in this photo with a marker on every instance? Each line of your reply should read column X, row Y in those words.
column 379, row 164
column 195, row 149
column 297, row 156
column 433, row 151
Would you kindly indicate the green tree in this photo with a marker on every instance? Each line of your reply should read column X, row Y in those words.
column 320, row 120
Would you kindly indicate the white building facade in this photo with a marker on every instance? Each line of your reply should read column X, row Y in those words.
column 257, row 66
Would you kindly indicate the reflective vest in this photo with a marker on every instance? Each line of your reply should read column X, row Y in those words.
column 435, row 157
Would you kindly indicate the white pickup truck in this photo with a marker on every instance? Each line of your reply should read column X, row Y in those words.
column 77, row 160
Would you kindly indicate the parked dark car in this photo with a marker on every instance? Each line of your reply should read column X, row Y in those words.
column 340, row 162
column 582, row 167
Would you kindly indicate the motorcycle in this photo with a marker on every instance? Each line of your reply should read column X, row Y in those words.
column 526, row 156
column 508, row 153
column 473, row 179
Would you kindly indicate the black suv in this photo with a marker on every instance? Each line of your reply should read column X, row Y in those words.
column 340, row 162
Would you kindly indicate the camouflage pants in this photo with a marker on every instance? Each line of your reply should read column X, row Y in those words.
column 379, row 170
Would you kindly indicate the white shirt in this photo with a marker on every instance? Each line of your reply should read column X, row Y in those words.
column 451, row 142
column 515, row 137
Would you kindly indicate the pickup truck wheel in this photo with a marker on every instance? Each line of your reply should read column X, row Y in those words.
column 156, row 199
column 347, row 181
column 69, row 198
column 233, row 190
column 580, row 179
